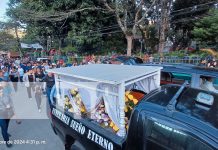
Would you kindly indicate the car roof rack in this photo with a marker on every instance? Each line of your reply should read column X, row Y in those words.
column 172, row 104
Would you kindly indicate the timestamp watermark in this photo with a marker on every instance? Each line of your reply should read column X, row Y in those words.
column 24, row 142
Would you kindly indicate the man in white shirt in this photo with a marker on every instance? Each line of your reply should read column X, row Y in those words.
column 46, row 66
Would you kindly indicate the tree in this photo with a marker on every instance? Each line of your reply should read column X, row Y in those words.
column 151, row 37
column 206, row 29
column 67, row 22
column 130, row 14
column 12, row 25
column 62, row 16
column 7, row 41
column 184, row 14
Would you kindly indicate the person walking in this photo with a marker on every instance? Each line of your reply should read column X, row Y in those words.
column 49, row 83
column 21, row 73
column 29, row 79
column 212, row 63
column 6, row 111
column 6, row 74
column 39, row 75
column 14, row 77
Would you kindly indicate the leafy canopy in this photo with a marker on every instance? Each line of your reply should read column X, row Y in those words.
column 207, row 28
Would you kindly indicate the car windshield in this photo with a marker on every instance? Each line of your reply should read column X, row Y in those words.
column 164, row 95
column 187, row 103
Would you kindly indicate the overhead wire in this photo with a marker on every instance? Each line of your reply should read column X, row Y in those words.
column 203, row 4
column 96, row 30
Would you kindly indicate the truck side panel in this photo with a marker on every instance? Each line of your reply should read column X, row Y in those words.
column 86, row 132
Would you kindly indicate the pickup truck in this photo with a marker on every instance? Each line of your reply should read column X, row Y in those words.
column 171, row 117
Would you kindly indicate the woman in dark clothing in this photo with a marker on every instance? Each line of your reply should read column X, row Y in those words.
column 39, row 75
column 50, row 81
column 29, row 79
column 14, row 77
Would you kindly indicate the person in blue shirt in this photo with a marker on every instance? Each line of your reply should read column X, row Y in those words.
column 53, row 95
column 28, row 67
column 23, row 65
column 6, row 74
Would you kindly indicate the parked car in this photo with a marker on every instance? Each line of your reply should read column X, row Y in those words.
column 43, row 59
column 179, row 73
column 125, row 60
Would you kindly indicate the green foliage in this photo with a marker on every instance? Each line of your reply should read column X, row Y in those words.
column 82, row 28
column 206, row 30
column 114, row 43
column 70, row 49
column 151, row 39
column 183, row 22
column 7, row 41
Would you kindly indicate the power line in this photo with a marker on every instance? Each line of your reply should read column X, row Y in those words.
column 187, row 19
column 203, row 4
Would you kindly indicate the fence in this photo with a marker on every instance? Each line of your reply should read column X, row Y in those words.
column 187, row 60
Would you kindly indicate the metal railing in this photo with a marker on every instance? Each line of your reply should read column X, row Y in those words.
column 186, row 60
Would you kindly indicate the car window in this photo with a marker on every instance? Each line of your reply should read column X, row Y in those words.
column 215, row 83
column 163, row 137
column 181, row 77
column 138, row 60
column 175, row 78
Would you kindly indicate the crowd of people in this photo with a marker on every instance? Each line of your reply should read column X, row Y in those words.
column 208, row 62
column 33, row 76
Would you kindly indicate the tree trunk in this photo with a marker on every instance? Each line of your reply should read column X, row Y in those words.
column 59, row 43
column 18, row 42
column 164, row 24
column 129, row 45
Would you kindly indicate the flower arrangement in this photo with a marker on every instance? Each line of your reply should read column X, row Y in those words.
column 78, row 100
column 67, row 105
column 131, row 100
column 101, row 116
column 114, row 126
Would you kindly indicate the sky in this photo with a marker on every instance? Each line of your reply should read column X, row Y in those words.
column 3, row 7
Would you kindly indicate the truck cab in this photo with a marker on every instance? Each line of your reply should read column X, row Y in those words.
column 189, row 125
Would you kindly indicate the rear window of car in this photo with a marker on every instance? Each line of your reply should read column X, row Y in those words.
column 187, row 104
column 164, row 95
column 215, row 83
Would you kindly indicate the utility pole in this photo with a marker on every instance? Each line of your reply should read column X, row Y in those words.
column 164, row 23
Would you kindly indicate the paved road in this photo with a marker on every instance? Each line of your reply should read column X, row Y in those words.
column 31, row 132
column 35, row 126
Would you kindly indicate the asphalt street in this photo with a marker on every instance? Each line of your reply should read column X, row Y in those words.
column 35, row 132
column 32, row 135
